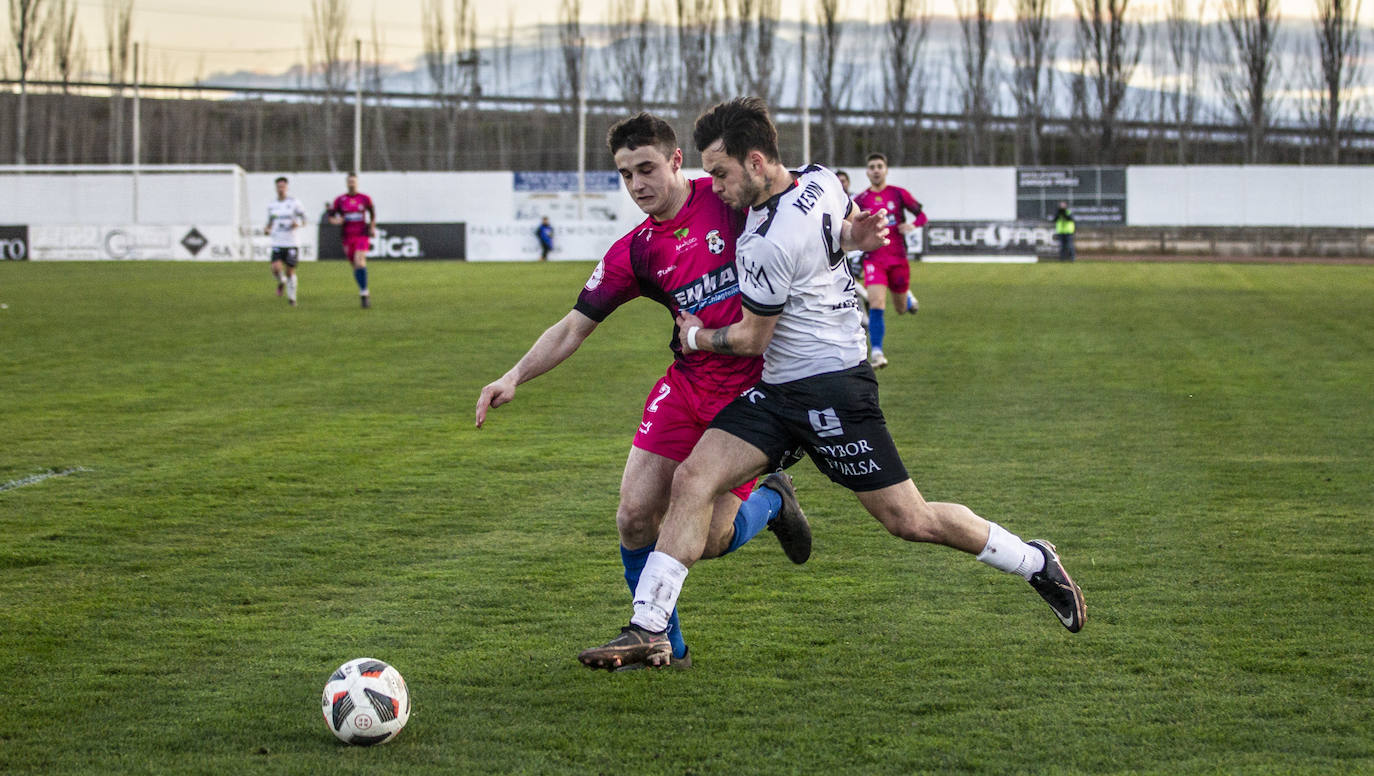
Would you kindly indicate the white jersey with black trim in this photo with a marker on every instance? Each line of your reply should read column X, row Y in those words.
column 791, row 265
column 284, row 214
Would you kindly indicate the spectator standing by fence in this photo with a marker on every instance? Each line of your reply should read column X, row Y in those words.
column 545, row 235
column 1063, row 231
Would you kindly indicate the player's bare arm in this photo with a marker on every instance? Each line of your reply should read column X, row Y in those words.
column 864, row 231
column 371, row 221
column 748, row 337
column 551, row 349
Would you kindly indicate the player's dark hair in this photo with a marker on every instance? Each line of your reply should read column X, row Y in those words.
column 351, row 174
column 742, row 124
column 876, row 155
column 639, row 130
column 280, row 179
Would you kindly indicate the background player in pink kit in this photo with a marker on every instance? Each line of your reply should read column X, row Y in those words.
column 887, row 267
column 683, row 257
column 355, row 212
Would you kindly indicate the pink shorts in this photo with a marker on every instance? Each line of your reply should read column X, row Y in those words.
column 354, row 243
column 890, row 271
column 675, row 416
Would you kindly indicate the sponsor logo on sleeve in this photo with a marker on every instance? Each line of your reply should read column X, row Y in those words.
column 598, row 275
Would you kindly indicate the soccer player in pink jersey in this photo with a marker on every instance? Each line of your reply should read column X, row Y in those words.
column 683, row 257
column 816, row 391
column 353, row 209
column 887, row 268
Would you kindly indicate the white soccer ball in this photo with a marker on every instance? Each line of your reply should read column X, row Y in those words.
column 365, row 702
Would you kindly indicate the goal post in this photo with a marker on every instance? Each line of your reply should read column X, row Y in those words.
column 130, row 212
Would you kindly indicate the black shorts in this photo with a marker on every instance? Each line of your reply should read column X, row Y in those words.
column 288, row 256
column 834, row 417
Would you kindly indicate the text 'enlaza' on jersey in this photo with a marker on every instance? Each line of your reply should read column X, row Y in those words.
column 715, row 286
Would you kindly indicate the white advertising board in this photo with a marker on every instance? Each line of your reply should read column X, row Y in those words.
column 515, row 241
column 126, row 242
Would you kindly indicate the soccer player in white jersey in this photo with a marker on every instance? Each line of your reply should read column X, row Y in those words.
column 284, row 216
column 817, row 390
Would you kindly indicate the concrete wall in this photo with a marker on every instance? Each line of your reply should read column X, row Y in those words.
column 1307, row 196
column 1264, row 196
column 1161, row 201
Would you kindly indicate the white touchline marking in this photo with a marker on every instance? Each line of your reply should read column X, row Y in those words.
column 33, row 479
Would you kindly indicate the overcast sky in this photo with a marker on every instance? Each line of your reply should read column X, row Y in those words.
column 186, row 38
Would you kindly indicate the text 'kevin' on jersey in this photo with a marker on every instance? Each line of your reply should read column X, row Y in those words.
column 791, row 265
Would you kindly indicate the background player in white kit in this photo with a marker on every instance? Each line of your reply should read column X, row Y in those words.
column 284, row 216
column 817, row 389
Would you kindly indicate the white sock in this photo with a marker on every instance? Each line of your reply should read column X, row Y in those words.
column 656, row 594
column 291, row 288
column 1005, row 551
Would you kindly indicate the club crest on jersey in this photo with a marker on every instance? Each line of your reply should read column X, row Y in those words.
column 680, row 233
column 714, row 242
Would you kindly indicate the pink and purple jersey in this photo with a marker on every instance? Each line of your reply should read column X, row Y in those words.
column 898, row 202
column 687, row 263
column 354, row 209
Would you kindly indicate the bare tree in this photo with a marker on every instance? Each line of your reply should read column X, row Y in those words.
column 1108, row 49
column 904, row 82
column 751, row 35
column 573, row 46
column 1184, row 33
column 119, row 16
column 439, row 65
column 698, row 24
column 28, row 28
column 68, row 60
column 466, row 81
column 975, row 76
column 503, row 70
column 375, row 85
column 1341, row 67
column 628, row 51
column 1249, row 38
column 1032, row 81
column 827, row 73
column 325, row 41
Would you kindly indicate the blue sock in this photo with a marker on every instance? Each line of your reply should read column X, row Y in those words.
column 634, row 561
column 763, row 505
column 360, row 275
column 876, row 328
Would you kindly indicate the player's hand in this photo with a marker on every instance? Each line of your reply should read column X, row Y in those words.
column 267, row 230
column 685, row 321
column 372, row 231
column 336, row 220
column 868, row 230
column 494, row 395
column 906, row 228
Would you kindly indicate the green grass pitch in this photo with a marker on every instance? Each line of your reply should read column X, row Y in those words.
column 255, row 494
